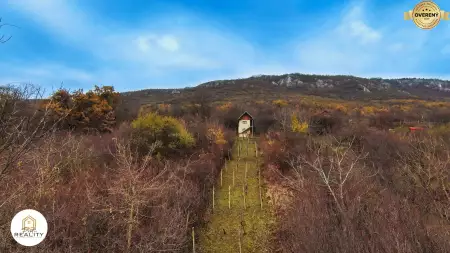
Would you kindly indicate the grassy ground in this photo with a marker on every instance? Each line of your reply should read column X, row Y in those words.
column 221, row 234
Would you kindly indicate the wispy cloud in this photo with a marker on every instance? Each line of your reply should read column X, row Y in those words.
column 56, row 75
column 197, row 46
column 166, row 42
column 359, row 46
column 354, row 26
column 181, row 48
column 142, row 49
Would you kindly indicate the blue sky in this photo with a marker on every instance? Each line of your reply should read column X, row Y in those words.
column 143, row 44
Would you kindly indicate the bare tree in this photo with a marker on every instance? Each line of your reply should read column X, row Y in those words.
column 3, row 38
column 335, row 165
column 283, row 117
column 202, row 99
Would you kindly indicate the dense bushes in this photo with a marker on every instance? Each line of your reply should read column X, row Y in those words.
column 22, row 124
column 325, row 122
column 97, row 193
column 352, row 191
column 354, row 188
column 98, row 196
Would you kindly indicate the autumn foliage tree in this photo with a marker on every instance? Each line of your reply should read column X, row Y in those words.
column 298, row 126
column 169, row 132
column 93, row 110
column 216, row 135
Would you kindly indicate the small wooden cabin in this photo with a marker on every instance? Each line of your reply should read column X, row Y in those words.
column 245, row 125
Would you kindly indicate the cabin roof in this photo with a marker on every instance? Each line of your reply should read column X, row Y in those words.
column 416, row 128
column 245, row 113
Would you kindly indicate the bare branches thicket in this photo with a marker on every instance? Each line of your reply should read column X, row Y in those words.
column 425, row 173
column 22, row 122
column 340, row 205
column 283, row 117
column 337, row 168
column 143, row 197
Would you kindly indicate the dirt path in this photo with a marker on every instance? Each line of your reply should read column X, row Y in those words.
column 252, row 223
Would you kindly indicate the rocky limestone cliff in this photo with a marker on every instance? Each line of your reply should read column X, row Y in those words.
column 326, row 82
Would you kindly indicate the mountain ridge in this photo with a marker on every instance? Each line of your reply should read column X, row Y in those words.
column 337, row 86
column 288, row 86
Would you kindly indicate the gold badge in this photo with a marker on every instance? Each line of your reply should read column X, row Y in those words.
column 426, row 15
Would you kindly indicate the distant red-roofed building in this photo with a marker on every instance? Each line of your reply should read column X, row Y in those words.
column 415, row 129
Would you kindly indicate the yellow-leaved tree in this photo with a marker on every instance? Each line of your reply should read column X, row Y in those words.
column 224, row 107
column 216, row 135
column 169, row 132
column 297, row 126
column 280, row 103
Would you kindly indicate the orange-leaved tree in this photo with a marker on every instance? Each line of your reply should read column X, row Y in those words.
column 93, row 110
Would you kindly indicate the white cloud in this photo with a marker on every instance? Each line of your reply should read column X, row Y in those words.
column 64, row 19
column 196, row 46
column 169, row 43
column 358, row 46
column 145, row 53
column 342, row 49
column 364, row 32
column 152, row 42
column 143, row 43
column 353, row 24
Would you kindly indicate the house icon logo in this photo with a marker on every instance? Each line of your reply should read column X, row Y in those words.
column 29, row 223
column 29, row 227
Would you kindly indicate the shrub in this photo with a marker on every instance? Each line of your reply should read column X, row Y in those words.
column 22, row 123
column 280, row 103
column 168, row 131
column 111, row 204
column 352, row 192
column 442, row 129
column 440, row 115
column 264, row 119
column 215, row 134
column 325, row 123
column 385, row 120
column 224, row 107
column 230, row 117
column 298, row 127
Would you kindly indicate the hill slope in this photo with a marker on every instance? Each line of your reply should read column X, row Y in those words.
column 265, row 87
